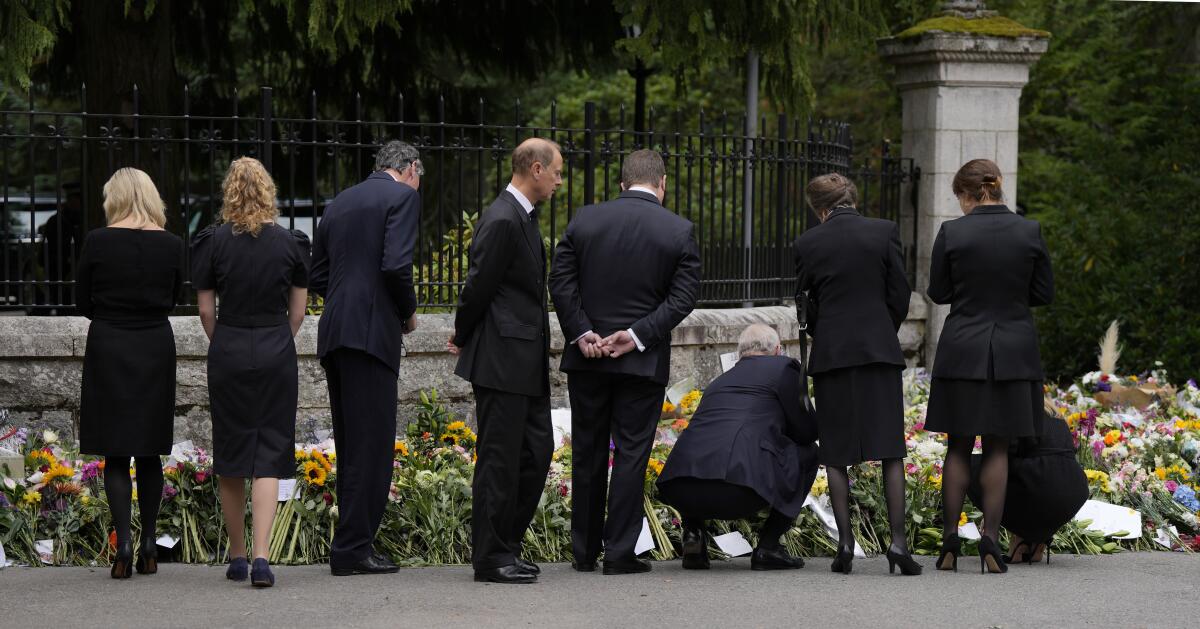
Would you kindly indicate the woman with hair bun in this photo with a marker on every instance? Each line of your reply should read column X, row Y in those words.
column 259, row 271
column 990, row 266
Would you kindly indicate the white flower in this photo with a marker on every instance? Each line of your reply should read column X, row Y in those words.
column 35, row 478
column 49, row 437
column 9, row 483
column 333, row 512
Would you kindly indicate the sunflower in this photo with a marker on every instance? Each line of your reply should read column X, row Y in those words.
column 401, row 448
column 456, row 426
column 690, row 401
column 301, row 455
column 57, row 471
column 322, row 460
column 654, row 467
column 314, row 473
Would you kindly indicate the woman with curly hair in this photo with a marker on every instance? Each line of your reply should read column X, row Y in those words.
column 259, row 272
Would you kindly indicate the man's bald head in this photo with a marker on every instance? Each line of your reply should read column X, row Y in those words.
column 534, row 150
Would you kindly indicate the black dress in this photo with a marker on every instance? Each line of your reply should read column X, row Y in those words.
column 991, row 266
column 127, row 283
column 252, row 357
column 1046, row 484
column 853, row 270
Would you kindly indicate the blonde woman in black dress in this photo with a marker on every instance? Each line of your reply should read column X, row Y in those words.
column 991, row 266
column 259, row 273
column 128, row 278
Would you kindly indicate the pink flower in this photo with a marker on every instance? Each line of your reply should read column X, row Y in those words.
column 911, row 469
column 1097, row 448
column 919, row 426
column 1171, row 486
column 201, row 476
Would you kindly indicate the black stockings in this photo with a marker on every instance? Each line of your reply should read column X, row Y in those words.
column 119, row 489
column 993, row 479
column 893, row 487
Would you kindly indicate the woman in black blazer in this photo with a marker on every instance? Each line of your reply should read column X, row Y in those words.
column 852, row 269
column 991, row 266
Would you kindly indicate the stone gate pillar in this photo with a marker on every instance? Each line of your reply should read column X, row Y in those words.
column 960, row 76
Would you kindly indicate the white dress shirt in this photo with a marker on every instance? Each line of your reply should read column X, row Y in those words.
column 636, row 340
column 525, row 204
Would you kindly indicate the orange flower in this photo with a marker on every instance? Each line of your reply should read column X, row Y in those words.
column 1112, row 437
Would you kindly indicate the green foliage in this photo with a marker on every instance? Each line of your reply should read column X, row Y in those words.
column 28, row 29
column 1109, row 143
column 996, row 26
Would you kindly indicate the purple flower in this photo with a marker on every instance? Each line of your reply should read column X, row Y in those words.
column 90, row 471
column 1087, row 425
column 1171, row 486
column 1097, row 447
column 4, row 504
column 1103, row 386
column 169, row 492
column 1186, row 496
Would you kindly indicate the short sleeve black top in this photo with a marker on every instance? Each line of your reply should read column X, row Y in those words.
column 251, row 274
column 129, row 274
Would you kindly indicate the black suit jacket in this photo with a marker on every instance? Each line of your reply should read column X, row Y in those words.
column 362, row 266
column 501, row 323
column 991, row 266
column 853, row 269
column 625, row 263
column 750, row 430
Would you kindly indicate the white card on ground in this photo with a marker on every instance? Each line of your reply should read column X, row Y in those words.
column 681, row 388
column 969, row 531
column 728, row 360
column 287, row 489
column 1111, row 519
column 166, row 541
column 560, row 420
column 1163, row 536
column 645, row 540
column 733, row 544
column 45, row 550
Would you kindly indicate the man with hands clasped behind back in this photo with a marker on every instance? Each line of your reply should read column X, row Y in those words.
column 625, row 273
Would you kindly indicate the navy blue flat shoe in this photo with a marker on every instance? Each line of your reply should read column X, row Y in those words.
column 260, row 574
column 238, row 567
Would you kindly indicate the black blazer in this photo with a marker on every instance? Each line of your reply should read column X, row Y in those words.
column 501, row 323
column 853, row 269
column 625, row 263
column 991, row 266
column 362, row 266
column 750, row 431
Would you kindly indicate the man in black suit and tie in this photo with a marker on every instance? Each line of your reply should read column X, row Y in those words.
column 362, row 266
column 502, row 337
column 625, row 274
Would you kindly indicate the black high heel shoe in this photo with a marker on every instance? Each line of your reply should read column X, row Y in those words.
column 122, row 565
column 990, row 559
column 908, row 566
column 1045, row 546
column 951, row 549
column 1011, row 557
column 147, row 561
column 844, row 561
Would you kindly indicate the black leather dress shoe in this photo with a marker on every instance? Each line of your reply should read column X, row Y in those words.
column 371, row 565
column 632, row 565
column 528, row 566
column 774, row 559
column 505, row 574
column 584, row 566
column 695, row 549
column 383, row 559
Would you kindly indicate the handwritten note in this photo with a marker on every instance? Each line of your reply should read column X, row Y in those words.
column 287, row 489
column 733, row 544
column 728, row 360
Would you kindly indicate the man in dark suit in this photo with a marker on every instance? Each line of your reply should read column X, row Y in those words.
column 502, row 337
column 748, row 447
column 362, row 266
column 625, row 274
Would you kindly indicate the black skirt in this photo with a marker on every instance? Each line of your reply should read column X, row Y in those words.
column 860, row 414
column 1001, row 408
column 252, row 391
column 127, row 402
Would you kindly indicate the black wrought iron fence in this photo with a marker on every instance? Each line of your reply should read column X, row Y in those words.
column 54, row 163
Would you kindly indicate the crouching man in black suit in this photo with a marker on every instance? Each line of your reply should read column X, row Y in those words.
column 748, row 447
column 625, row 274
column 502, row 338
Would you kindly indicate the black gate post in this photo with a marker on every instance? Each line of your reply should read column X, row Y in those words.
column 781, row 205
column 267, row 123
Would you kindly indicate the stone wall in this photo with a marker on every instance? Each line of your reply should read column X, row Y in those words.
column 41, row 362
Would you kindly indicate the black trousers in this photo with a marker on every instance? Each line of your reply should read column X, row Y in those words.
column 513, row 449
column 362, row 400
column 626, row 409
column 700, row 499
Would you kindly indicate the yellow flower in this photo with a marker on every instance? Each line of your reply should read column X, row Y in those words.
column 690, row 401
column 667, row 407
column 301, row 455
column 31, row 498
column 936, row 481
column 654, row 467
column 401, row 448
column 962, row 519
column 85, row 499
column 1112, row 437
column 1133, row 378
column 314, row 473
column 1096, row 477
column 57, row 471
column 820, row 486
column 321, row 459
column 456, row 426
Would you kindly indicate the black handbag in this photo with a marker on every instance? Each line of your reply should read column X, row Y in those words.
column 802, row 317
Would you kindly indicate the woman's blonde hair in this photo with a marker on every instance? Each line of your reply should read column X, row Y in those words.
column 248, row 196
column 130, row 192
